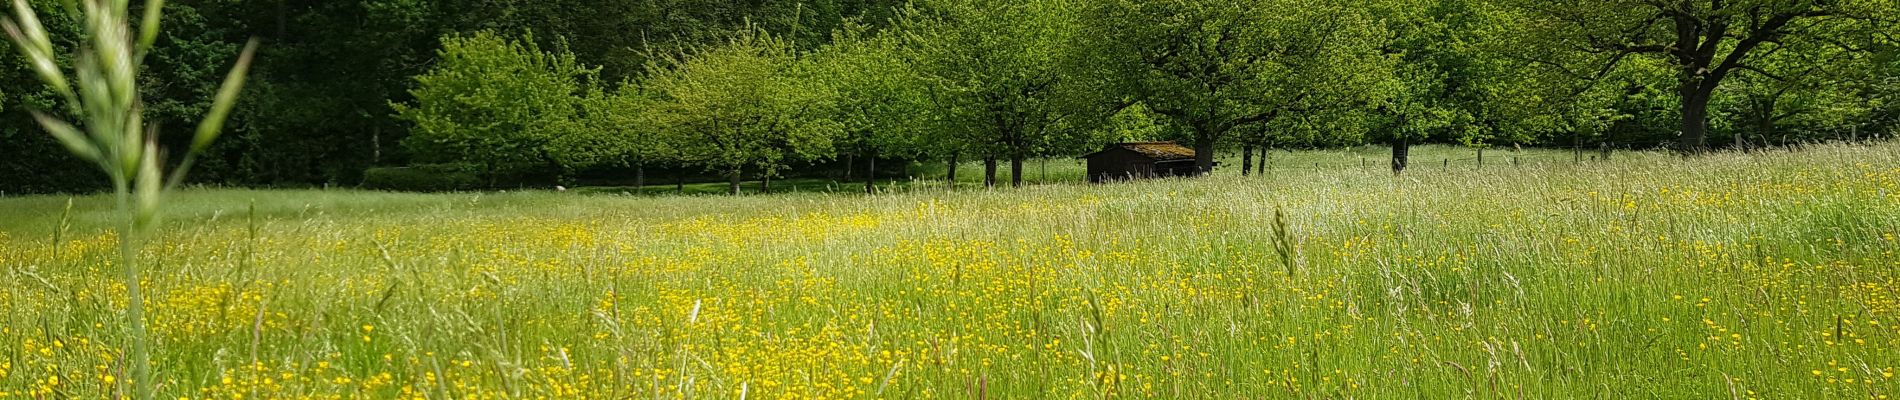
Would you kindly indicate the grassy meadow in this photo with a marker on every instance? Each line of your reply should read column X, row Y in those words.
column 1070, row 170
column 1770, row 275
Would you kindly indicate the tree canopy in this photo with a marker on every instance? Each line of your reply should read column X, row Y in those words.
column 496, row 102
column 993, row 70
column 745, row 103
column 571, row 88
column 1703, row 42
column 1213, row 66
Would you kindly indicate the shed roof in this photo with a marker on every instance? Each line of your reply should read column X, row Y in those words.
column 1159, row 151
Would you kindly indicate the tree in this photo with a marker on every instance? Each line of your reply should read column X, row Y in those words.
column 880, row 97
column 1806, row 83
column 495, row 102
column 1445, row 86
column 1134, row 123
column 1879, row 89
column 179, row 77
column 322, row 104
column 1213, row 66
column 1528, row 101
column 325, row 81
column 744, row 103
column 617, row 129
column 993, row 71
column 1704, row 41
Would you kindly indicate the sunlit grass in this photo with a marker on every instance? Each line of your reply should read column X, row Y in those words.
column 1769, row 276
column 931, row 174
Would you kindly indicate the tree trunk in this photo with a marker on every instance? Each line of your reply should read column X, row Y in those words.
column 1695, row 122
column 488, row 174
column 376, row 146
column 640, row 179
column 1203, row 153
column 1767, row 124
column 870, row 174
column 955, row 161
column 679, row 182
column 283, row 21
column 850, row 164
column 1576, row 145
column 1480, row 157
column 765, row 183
column 1401, row 154
column 733, row 183
column 1246, row 160
column 558, row 174
column 1266, row 160
column 1016, row 171
column 989, row 171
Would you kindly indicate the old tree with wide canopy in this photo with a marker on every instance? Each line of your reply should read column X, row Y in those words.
column 1706, row 42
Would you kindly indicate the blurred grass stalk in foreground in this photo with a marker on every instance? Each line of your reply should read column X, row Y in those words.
column 111, row 131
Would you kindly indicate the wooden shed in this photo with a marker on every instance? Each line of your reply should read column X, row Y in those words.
column 1140, row 160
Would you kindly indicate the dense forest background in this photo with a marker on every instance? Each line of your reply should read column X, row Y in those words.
column 513, row 91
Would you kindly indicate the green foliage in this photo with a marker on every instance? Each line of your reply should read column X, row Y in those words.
column 1703, row 43
column 1133, row 124
column 36, row 162
column 1442, row 84
column 995, row 75
column 882, row 103
column 991, row 78
column 424, row 178
column 749, row 102
column 1214, row 66
column 323, row 105
column 497, row 102
column 1880, row 88
column 333, row 68
column 616, row 130
column 1804, row 90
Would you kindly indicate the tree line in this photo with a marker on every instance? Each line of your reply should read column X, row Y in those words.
column 762, row 89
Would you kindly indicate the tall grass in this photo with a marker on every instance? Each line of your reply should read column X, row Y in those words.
column 1767, row 276
column 929, row 175
column 112, row 133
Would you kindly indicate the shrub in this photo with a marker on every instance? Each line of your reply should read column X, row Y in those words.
column 423, row 178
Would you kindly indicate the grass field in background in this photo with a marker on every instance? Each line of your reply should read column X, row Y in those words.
column 1771, row 275
column 931, row 174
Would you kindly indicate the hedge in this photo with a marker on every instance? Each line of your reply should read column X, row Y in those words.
column 422, row 178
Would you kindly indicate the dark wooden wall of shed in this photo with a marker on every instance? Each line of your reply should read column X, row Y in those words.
column 1119, row 164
